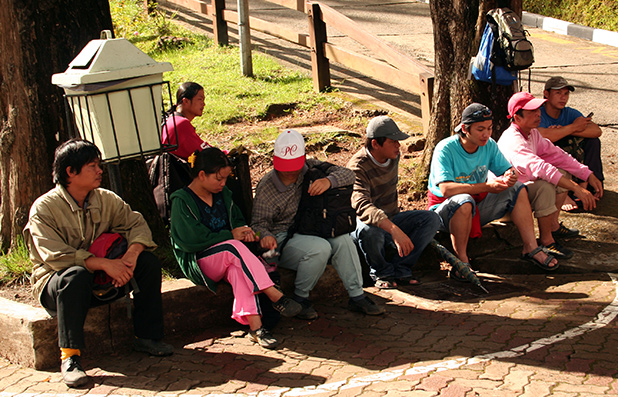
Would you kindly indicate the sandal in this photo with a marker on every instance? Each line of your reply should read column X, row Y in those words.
column 386, row 283
column 529, row 257
column 407, row 281
column 455, row 275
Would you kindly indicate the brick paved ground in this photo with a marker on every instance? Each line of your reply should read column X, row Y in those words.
column 539, row 340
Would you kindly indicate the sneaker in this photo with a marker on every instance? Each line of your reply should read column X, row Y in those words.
column 264, row 338
column 558, row 251
column 287, row 307
column 73, row 374
column 366, row 306
column 153, row 347
column 307, row 312
column 564, row 232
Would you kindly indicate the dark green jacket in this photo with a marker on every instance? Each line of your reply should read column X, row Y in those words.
column 189, row 236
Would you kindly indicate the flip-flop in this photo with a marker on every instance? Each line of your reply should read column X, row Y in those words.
column 386, row 283
column 407, row 281
column 529, row 257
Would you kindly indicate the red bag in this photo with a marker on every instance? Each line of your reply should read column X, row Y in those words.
column 111, row 246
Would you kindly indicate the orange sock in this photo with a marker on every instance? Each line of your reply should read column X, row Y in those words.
column 66, row 353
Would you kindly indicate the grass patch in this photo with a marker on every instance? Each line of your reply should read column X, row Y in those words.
column 230, row 96
column 15, row 266
column 600, row 14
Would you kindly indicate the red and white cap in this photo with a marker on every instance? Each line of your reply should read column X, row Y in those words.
column 289, row 154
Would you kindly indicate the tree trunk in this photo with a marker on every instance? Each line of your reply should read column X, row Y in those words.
column 458, row 26
column 37, row 39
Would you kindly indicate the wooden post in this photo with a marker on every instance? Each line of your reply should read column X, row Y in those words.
column 150, row 5
column 244, row 33
column 426, row 81
column 320, row 66
column 219, row 25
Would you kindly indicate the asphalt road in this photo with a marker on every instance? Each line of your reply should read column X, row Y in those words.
column 592, row 68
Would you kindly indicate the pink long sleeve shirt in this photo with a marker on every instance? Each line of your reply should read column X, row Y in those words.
column 535, row 157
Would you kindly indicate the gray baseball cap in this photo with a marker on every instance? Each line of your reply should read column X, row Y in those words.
column 384, row 126
column 557, row 83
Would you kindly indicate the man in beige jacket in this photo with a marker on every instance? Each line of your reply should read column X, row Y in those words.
column 62, row 226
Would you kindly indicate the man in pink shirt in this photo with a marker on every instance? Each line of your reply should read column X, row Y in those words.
column 546, row 170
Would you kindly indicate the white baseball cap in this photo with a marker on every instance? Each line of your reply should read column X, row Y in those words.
column 289, row 154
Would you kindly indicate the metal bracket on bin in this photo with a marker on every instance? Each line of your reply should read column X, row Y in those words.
column 79, row 105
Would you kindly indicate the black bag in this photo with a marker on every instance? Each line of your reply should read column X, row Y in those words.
column 328, row 215
column 167, row 173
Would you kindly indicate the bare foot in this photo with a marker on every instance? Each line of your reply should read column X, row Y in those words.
column 569, row 204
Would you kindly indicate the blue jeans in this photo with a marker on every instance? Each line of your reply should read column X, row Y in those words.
column 380, row 250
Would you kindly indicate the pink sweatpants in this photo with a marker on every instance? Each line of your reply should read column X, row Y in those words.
column 231, row 260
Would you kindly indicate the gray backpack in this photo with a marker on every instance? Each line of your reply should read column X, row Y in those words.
column 517, row 49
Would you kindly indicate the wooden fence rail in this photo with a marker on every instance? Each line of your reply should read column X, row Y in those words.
column 394, row 68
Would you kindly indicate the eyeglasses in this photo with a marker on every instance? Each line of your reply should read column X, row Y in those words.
column 482, row 113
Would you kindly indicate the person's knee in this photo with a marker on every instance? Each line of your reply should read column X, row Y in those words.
column 465, row 210
column 148, row 259
column 76, row 277
column 148, row 267
column 317, row 254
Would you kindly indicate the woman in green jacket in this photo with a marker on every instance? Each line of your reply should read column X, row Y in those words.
column 208, row 232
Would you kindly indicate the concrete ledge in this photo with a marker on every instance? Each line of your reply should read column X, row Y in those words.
column 600, row 36
column 29, row 336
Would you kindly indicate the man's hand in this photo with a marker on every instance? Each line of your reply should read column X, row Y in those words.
column 510, row 177
column 402, row 241
column 588, row 200
column 244, row 233
column 268, row 243
column 129, row 258
column 497, row 185
column 319, row 186
column 597, row 185
column 118, row 271
column 581, row 123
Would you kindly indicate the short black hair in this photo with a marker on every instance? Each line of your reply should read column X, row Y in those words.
column 461, row 132
column 380, row 140
column 209, row 160
column 74, row 153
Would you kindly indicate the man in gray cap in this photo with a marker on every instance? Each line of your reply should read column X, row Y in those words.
column 568, row 129
column 391, row 241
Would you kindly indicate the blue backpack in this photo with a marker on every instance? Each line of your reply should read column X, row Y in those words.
column 483, row 65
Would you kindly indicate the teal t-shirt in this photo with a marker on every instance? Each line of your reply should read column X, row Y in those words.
column 451, row 163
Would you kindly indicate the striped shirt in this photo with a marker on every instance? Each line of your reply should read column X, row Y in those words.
column 375, row 188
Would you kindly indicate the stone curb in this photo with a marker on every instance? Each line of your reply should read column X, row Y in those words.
column 600, row 36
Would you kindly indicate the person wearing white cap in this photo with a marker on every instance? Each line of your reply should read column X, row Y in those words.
column 545, row 169
column 277, row 198
column 391, row 240
column 568, row 129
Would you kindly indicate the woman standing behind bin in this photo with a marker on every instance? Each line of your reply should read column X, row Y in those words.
column 208, row 232
column 189, row 105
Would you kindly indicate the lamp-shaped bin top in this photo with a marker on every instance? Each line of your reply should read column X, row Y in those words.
column 114, row 91
column 106, row 60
